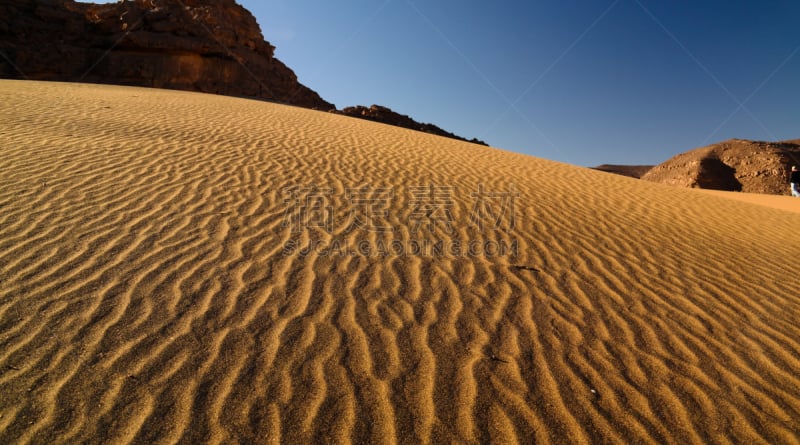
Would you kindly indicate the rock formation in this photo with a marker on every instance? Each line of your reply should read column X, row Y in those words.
column 733, row 165
column 212, row 46
column 633, row 171
column 385, row 115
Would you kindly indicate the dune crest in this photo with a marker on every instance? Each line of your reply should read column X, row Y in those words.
column 169, row 272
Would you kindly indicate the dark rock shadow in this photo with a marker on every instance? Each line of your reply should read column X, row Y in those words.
column 716, row 175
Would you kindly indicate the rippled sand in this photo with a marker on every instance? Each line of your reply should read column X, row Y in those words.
column 155, row 286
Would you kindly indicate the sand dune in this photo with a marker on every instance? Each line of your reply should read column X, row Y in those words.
column 788, row 203
column 155, row 286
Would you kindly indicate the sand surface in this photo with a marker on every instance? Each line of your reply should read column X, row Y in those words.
column 788, row 203
column 153, row 288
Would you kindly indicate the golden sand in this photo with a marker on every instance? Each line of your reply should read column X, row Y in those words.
column 153, row 288
column 788, row 203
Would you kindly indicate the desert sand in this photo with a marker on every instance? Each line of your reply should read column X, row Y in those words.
column 788, row 203
column 154, row 286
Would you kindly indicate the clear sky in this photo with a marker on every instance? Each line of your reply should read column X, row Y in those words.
column 580, row 81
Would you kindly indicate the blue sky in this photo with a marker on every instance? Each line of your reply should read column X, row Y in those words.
column 579, row 81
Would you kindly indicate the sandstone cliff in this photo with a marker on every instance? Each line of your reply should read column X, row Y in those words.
column 212, row 46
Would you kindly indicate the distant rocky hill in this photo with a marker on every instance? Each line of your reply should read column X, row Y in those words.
column 211, row 46
column 634, row 171
column 733, row 165
column 385, row 115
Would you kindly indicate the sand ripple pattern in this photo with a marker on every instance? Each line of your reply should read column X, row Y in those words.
column 147, row 294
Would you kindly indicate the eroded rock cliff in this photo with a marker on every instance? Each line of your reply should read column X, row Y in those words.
column 212, row 46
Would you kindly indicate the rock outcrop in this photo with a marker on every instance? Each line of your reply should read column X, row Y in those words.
column 385, row 115
column 212, row 46
column 633, row 171
column 733, row 165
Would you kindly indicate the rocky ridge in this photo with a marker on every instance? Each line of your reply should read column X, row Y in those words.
column 384, row 115
column 633, row 171
column 210, row 46
column 733, row 165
